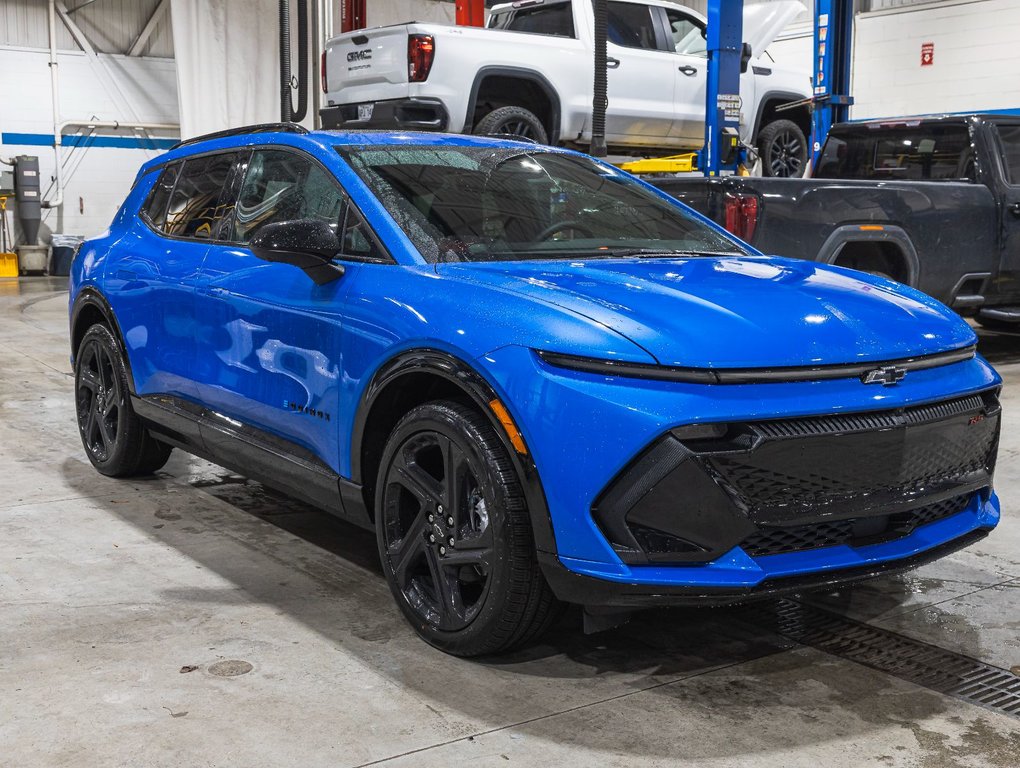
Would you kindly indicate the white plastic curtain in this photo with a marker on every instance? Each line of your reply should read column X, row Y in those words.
column 227, row 55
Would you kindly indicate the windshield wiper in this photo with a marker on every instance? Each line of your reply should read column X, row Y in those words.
column 655, row 253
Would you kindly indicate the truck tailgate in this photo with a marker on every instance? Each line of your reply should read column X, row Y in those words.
column 367, row 65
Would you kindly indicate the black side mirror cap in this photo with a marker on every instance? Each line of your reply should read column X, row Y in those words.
column 745, row 56
column 309, row 244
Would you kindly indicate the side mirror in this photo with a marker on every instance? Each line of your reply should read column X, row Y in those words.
column 309, row 244
column 745, row 56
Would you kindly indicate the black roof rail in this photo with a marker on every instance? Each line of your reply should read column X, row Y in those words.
column 260, row 128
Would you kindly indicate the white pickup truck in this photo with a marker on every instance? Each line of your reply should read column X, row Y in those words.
column 530, row 73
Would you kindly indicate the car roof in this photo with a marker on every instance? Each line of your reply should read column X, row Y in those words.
column 327, row 139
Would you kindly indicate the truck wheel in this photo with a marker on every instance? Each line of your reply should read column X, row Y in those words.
column 513, row 121
column 455, row 536
column 783, row 149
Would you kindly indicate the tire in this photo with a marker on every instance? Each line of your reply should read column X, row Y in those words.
column 484, row 593
column 513, row 121
column 783, row 149
column 114, row 438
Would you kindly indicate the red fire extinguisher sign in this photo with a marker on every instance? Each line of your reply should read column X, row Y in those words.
column 927, row 54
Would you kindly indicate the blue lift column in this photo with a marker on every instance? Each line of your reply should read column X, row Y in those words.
column 831, row 103
column 722, row 92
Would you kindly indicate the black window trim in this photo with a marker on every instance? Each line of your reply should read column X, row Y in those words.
column 513, row 12
column 250, row 149
column 1005, row 171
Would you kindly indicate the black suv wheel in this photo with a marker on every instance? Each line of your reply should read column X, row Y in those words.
column 783, row 149
column 454, row 534
column 115, row 439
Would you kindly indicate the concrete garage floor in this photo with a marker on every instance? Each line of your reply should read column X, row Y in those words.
column 111, row 590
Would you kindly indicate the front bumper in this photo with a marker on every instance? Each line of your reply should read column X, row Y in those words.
column 405, row 114
column 736, row 577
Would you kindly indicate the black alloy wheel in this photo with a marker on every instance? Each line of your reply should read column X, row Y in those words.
column 100, row 401
column 115, row 440
column 454, row 534
column 783, row 149
column 513, row 121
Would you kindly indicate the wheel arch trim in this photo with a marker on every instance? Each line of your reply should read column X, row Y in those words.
column 846, row 234
column 763, row 102
column 520, row 73
column 90, row 296
column 466, row 378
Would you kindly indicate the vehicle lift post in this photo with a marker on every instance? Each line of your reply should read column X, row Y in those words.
column 831, row 100
column 470, row 13
column 722, row 92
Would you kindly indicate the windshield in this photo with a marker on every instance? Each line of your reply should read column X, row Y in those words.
column 498, row 204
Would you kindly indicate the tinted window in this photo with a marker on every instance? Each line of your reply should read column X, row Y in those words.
column 557, row 20
column 196, row 208
column 688, row 35
column 358, row 238
column 1010, row 136
column 919, row 152
column 488, row 204
column 281, row 186
column 155, row 206
column 631, row 26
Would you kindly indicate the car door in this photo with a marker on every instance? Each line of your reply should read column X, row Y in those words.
column 153, row 284
column 642, row 74
column 270, row 337
column 687, row 36
column 1009, row 138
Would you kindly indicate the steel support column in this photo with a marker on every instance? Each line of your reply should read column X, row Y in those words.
column 832, row 60
column 722, row 92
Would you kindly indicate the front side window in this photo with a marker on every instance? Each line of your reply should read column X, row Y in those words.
column 556, row 20
column 632, row 26
column 282, row 186
column 488, row 204
column 1009, row 135
column 688, row 34
column 197, row 205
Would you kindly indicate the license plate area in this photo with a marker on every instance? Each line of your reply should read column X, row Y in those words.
column 365, row 112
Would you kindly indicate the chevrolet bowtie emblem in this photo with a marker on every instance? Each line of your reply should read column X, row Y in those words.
column 887, row 375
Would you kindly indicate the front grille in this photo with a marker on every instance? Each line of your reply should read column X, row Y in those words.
column 837, row 465
column 853, row 532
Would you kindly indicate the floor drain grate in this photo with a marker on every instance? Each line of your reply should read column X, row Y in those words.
column 920, row 663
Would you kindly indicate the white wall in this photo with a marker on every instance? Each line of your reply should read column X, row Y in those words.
column 111, row 88
column 381, row 12
column 976, row 64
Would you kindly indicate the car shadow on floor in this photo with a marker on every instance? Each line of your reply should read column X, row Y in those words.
column 713, row 665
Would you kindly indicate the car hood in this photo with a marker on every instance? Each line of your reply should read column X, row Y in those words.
column 735, row 312
column 763, row 22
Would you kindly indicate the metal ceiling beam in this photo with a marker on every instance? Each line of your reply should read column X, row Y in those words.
column 149, row 28
column 79, row 37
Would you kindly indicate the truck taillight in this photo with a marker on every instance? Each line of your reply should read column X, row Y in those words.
column 322, row 73
column 741, row 214
column 420, row 51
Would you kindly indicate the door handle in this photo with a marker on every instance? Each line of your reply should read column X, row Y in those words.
column 688, row 70
column 1014, row 208
column 612, row 63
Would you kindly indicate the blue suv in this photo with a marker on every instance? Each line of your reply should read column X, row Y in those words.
column 538, row 379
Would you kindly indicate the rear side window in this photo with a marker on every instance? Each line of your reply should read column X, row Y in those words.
column 631, row 25
column 1010, row 137
column 282, row 186
column 556, row 20
column 929, row 152
column 198, row 205
column 155, row 207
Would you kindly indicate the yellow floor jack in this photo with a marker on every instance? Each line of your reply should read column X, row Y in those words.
column 8, row 259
